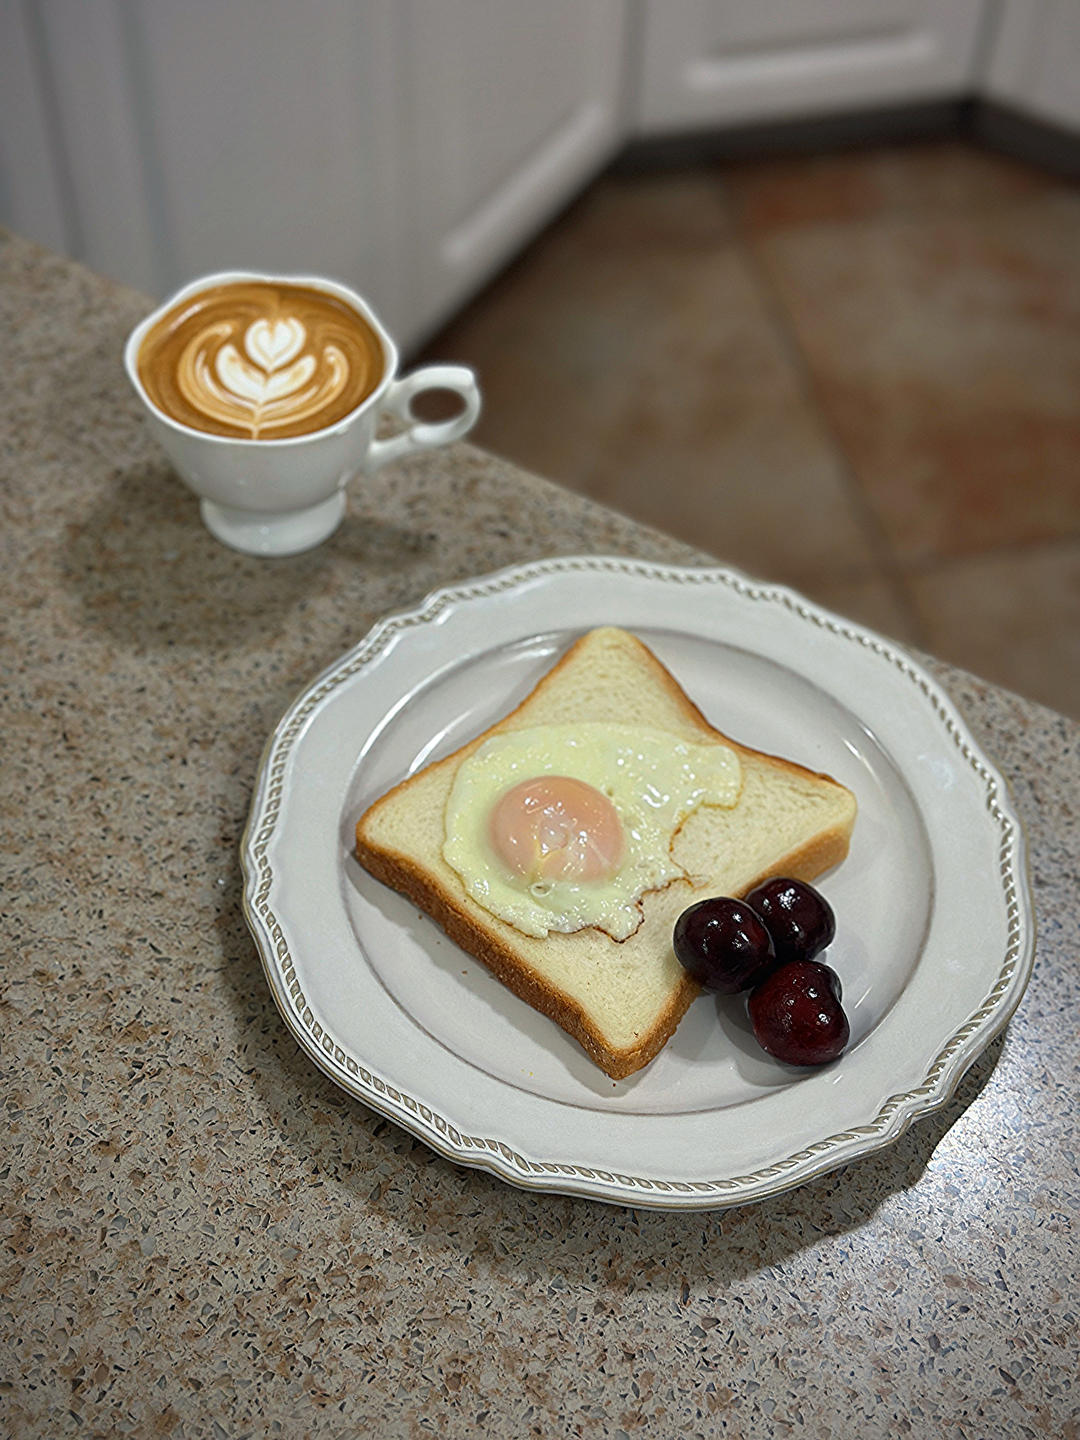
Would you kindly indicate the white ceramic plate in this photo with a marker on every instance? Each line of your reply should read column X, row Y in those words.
column 934, row 931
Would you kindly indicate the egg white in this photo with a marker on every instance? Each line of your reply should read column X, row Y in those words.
column 653, row 779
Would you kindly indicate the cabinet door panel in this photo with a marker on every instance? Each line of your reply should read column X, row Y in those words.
column 102, row 137
column 512, row 107
column 272, row 129
column 169, row 140
column 34, row 186
column 737, row 61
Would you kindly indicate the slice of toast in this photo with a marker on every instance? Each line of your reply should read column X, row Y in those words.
column 620, row 999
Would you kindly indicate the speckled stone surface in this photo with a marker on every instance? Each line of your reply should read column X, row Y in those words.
column 203, row 1237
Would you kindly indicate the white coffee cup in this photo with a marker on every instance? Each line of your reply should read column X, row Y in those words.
column 283, row 496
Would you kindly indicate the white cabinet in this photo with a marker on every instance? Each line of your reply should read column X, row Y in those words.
column 32, row 197
column 271, row 137
column 709, row 62
column 511, row 109
column 404, row 146
column 1034, row 61
column 196, row 137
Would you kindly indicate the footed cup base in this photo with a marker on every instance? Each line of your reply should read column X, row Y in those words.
column 257, row 532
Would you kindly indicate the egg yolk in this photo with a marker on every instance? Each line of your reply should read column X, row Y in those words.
column 557, row 828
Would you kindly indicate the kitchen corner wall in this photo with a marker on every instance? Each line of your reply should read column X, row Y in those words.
column 410, row 147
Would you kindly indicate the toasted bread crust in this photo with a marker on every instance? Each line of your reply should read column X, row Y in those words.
column 401, row 874
column 439, row 893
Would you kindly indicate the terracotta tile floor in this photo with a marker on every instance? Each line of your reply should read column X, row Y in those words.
column 858, row 374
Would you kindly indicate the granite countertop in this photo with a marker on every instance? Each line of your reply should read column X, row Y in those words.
column 204, row 1237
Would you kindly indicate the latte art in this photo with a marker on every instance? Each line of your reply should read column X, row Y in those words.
column 260, row 361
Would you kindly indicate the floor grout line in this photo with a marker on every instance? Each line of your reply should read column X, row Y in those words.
column 890, row 569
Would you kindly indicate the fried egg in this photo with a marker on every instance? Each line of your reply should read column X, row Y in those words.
column 559, row 827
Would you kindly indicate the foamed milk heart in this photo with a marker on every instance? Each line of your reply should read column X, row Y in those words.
column 273, row 343
column 260, row 361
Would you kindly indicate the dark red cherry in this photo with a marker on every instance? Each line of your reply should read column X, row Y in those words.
column 797, row 1015
column 799, row 919
column 723, row 944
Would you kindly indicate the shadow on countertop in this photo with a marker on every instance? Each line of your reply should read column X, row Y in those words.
column 468, row 1216
column 149, row 574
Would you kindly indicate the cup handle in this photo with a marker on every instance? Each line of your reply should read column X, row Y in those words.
column 421, row 436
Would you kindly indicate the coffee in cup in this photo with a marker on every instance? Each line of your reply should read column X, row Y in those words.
column 260, row 360
column 264, row 391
